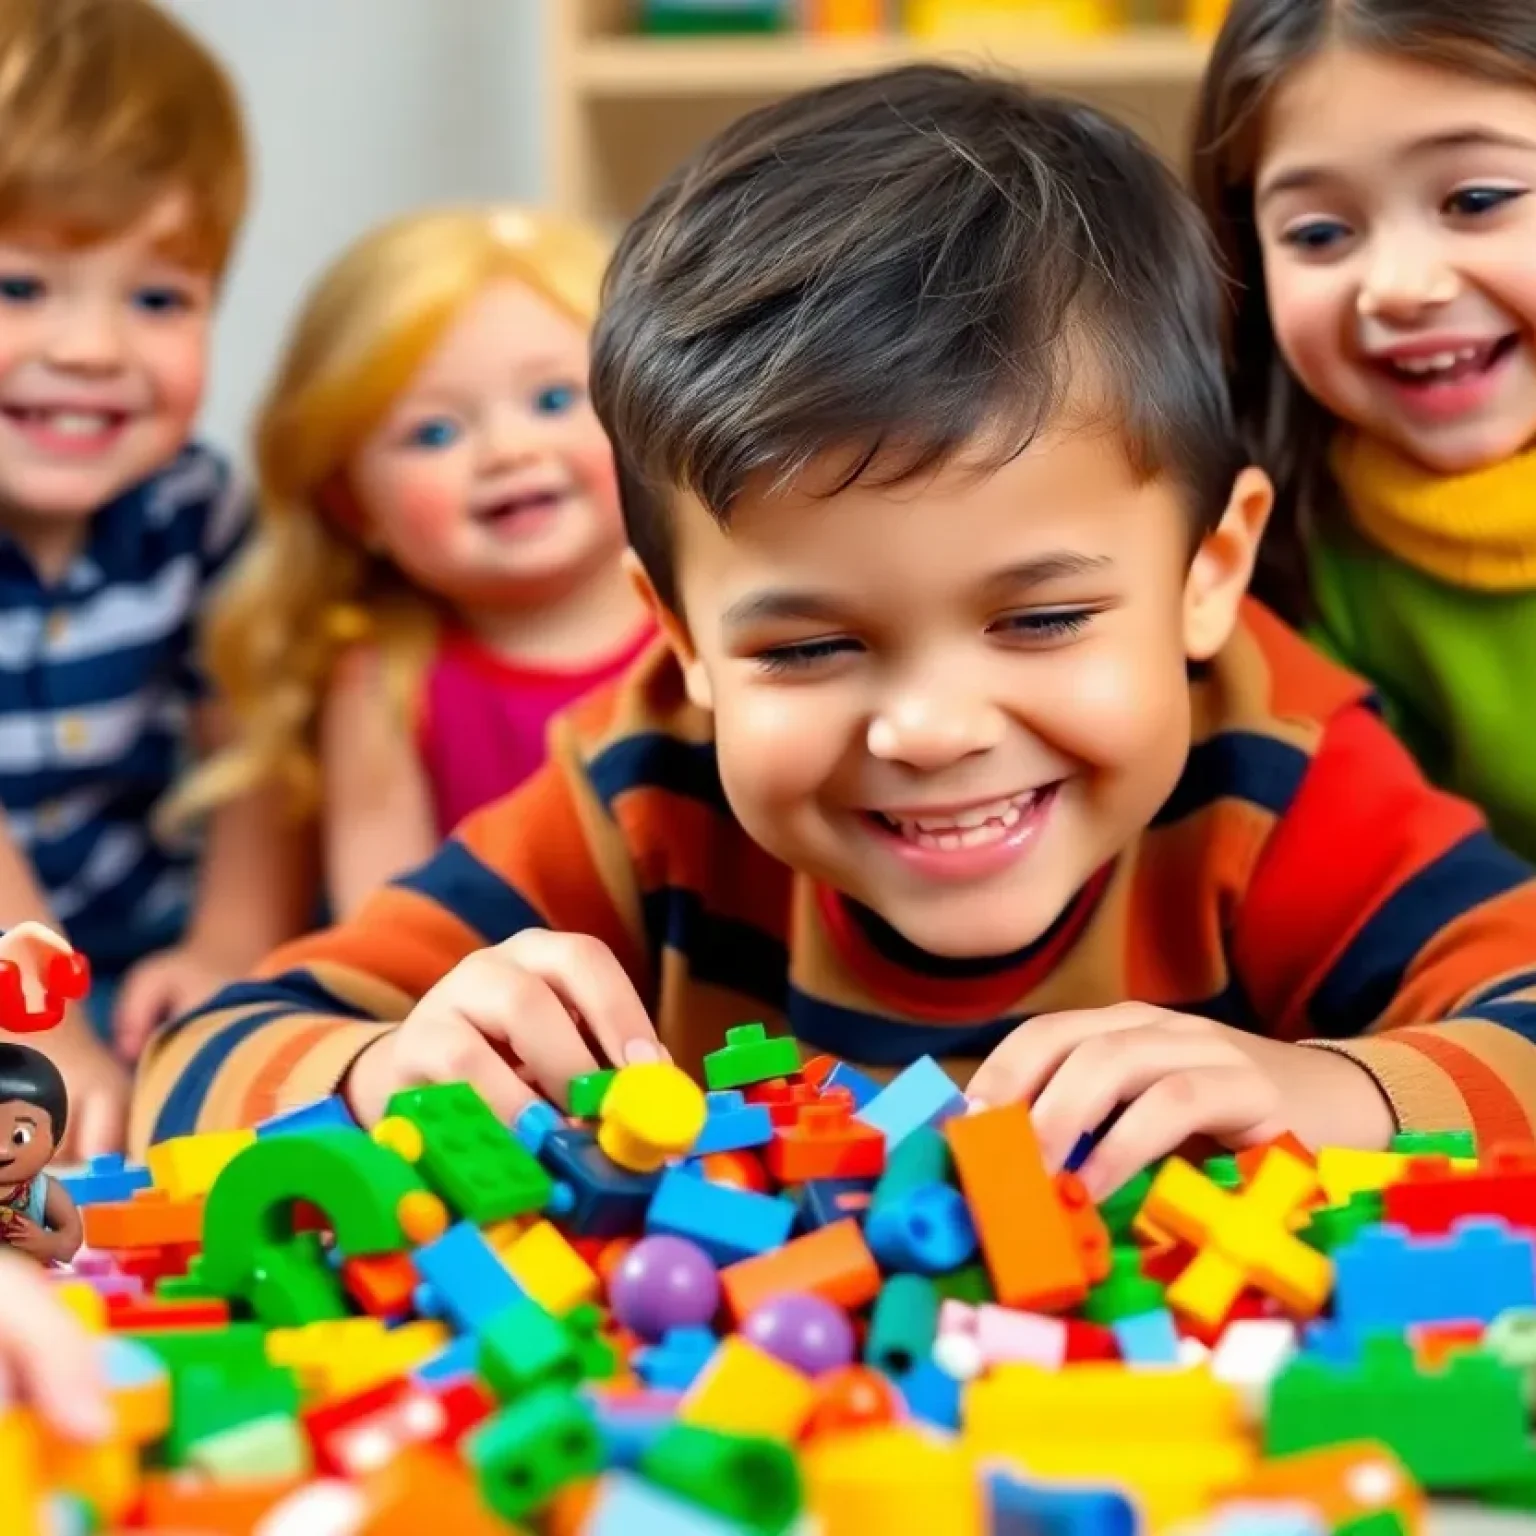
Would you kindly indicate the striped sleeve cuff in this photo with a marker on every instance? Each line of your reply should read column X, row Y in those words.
column 1464, row 1075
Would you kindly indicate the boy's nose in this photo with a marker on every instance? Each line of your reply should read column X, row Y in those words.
column 930, row 730
column 1406, row 277
column 86, row 338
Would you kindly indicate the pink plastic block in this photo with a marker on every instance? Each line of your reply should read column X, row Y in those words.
column 1021, row 1338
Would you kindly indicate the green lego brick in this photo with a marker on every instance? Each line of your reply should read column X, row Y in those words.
column 753, row 1483
column 1222, row 1171
column 1462, row 1428
column 750, row 1056
column 970, row 1284
column 248, row 1219
column 1123, row 1207
column 1126, row 1293
column 469, row 1157
column 209, row 1401
column 1435, row 1143
column 1331, row 1226
column 528, row 1451
column 595, row 1357
column 903, row 1324
column 587, row 1093
column 523, row 1348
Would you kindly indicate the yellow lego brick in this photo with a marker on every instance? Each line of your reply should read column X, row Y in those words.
column 1250, row 1231
column 21, row 1474
column 336, row 1359
column 1346, row 1171
column 188, row 1165
column 1173, row 1439
column 87, row 1304
column 896, row 1481
column 745, row 1391
column 550, row 1270
column 652, row 1111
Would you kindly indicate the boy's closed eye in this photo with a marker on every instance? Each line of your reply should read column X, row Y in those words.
column 21, row 288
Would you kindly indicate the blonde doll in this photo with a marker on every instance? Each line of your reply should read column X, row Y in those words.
column 436, row 568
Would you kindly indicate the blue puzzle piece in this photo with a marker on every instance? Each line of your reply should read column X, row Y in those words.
column 922, row 1094
column 733, row 1124
column 1386, row 1280
column 727, row 1223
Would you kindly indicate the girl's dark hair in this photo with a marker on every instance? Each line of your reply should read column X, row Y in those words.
column 28, row 1076
column 1260, row 45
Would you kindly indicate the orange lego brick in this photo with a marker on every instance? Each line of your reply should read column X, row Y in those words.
column 1435, row 1343
column 424, row 1489
column 833, row 1262
column 151, row 1219
column 383, row 1284
column 1344, row 1483
column 1030, row 1247
column 1093, row 1242
column 1249, row 1158
column 183, row 1501
column 826, row 1142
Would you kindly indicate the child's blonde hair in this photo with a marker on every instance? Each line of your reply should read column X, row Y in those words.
column 105, row 107
column 309, row 586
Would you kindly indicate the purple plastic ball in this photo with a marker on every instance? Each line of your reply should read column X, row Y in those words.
column 664, row 1283
column 803, row 1331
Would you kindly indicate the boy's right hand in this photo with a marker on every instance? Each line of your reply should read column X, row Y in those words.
column 518, row 1021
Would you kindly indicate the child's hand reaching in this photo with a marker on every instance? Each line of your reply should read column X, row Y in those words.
column 517, row 1021
column 1177, row 1076
column 162, row 987
column 46, row 1358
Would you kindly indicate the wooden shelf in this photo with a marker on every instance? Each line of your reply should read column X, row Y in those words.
column 624, row 110
column 631, row 68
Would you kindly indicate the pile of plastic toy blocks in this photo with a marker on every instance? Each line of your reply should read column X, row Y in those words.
column 795, row 1302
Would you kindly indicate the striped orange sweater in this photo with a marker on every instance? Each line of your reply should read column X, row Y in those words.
column 1302, row 881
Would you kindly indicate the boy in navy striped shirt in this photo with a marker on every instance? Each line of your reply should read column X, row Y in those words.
column 122, row 184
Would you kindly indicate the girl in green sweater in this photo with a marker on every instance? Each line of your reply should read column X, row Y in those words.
column 1369, row 168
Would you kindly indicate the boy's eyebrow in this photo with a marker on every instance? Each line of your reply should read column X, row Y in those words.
column 1299, row 178
column 819, row 607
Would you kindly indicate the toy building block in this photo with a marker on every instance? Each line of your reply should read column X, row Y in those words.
column 1244, row 1238
column 732, row 1124
column 859, row 1086
column 470, row 1284
column 834, row 1263
column 743, row 1390
column 329, row 1114
column 823, row 1201
column 532, row 1448
column 730, row 1225
column 1387, row 1280
column 549, row 1269
column 1433, row 1195
column 186, row 1166
column 926, row 1230
column 826, row 1142
column 751, row 1481
column 897, row 1480
column 587, row 1092
column 652, row 1113
column 463, row 1152
column 105, row 1179
column 605, row 1199
column 750, row 1056
column 1030, row 1248
column 922, row 1094
column 1359, row 1485
column 625, row 1505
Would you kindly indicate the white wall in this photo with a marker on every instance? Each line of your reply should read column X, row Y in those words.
column 359, row 109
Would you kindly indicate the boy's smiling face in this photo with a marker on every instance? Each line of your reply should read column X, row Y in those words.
column 103, row 352
column 955, row 699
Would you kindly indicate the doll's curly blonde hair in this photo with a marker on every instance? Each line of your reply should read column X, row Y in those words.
column 308, row 586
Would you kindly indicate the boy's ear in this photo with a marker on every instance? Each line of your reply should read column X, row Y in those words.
column 675, row 630
column 1223, row 566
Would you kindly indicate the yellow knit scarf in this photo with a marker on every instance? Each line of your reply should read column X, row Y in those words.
column 1474, row 530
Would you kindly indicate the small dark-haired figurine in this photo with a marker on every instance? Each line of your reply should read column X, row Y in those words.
column 36, row 1213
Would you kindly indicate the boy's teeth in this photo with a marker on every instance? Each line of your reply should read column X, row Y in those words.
column 1439, row 362
column 79, row 423
column 965, row 829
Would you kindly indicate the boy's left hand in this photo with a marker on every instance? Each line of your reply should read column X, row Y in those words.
column 1177, row 1076
column 161, row 987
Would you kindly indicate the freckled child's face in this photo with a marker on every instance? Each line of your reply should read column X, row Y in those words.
column 26, row 1141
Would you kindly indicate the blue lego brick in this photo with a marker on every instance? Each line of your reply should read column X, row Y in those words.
column 926, row 1230
column 1148, row 1338
column 607, row 1200
column 727, row 1223
column 859, row 1084
column 322, row 1115
column 733, row 1124
column 674, row 1363
column 627, row 1506
column 1387, row 1280
column 460, row 1358
column 923, row 1094
column 534, row 1122
column 469, row 1283
column 931, row 1394
column 628, row 1434
column 105, row 1178
column 1326, row 1340
column 823, row 1201
column 1019, row 1508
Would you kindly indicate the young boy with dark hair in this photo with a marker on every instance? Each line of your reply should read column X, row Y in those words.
column 122, row 185
column 965, row 739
